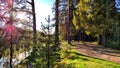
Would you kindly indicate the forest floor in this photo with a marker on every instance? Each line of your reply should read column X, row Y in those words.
column 97, row 51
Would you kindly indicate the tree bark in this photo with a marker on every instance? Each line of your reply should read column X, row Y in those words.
column 68, row 29
column 100, row 39
column 107, row 14
column 11, row 54
column 34, row 22
column 56, row 23
column 103, row 39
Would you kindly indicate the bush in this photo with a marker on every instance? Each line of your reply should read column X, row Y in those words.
column 113, row 44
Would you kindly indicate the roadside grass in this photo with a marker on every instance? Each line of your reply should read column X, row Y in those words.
column 70, row 58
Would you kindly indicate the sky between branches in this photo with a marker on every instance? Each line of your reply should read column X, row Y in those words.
column 43, row 9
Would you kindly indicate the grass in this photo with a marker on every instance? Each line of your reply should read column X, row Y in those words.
column 72, row 59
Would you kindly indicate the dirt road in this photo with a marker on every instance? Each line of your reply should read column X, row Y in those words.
column 98, row 51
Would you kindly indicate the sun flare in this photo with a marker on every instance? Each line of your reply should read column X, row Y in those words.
column 21, row 16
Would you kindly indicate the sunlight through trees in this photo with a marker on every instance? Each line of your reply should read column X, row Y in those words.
column 79, row 24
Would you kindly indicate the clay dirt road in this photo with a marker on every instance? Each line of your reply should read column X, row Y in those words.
column 97, row 51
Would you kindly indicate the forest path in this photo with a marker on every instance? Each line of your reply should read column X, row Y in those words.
column 97, row 51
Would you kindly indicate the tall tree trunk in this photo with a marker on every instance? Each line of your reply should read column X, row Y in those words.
column 100, row 39
column 56, row 23
column 103, row 39
column 68, row 26
column 11, row 52
column 107, row 14
column 34, row 22
column 11, row 39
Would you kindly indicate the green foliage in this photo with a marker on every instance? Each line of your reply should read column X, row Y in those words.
column 113, row 44
column 39, row 56
column 98, row 17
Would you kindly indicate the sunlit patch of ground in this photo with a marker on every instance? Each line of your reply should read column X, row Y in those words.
column 71, row 58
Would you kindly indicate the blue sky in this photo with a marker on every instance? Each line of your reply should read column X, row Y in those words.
column 46, row 2
column 43, row 9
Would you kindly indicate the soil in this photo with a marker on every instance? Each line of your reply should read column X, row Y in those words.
column 98, row 51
